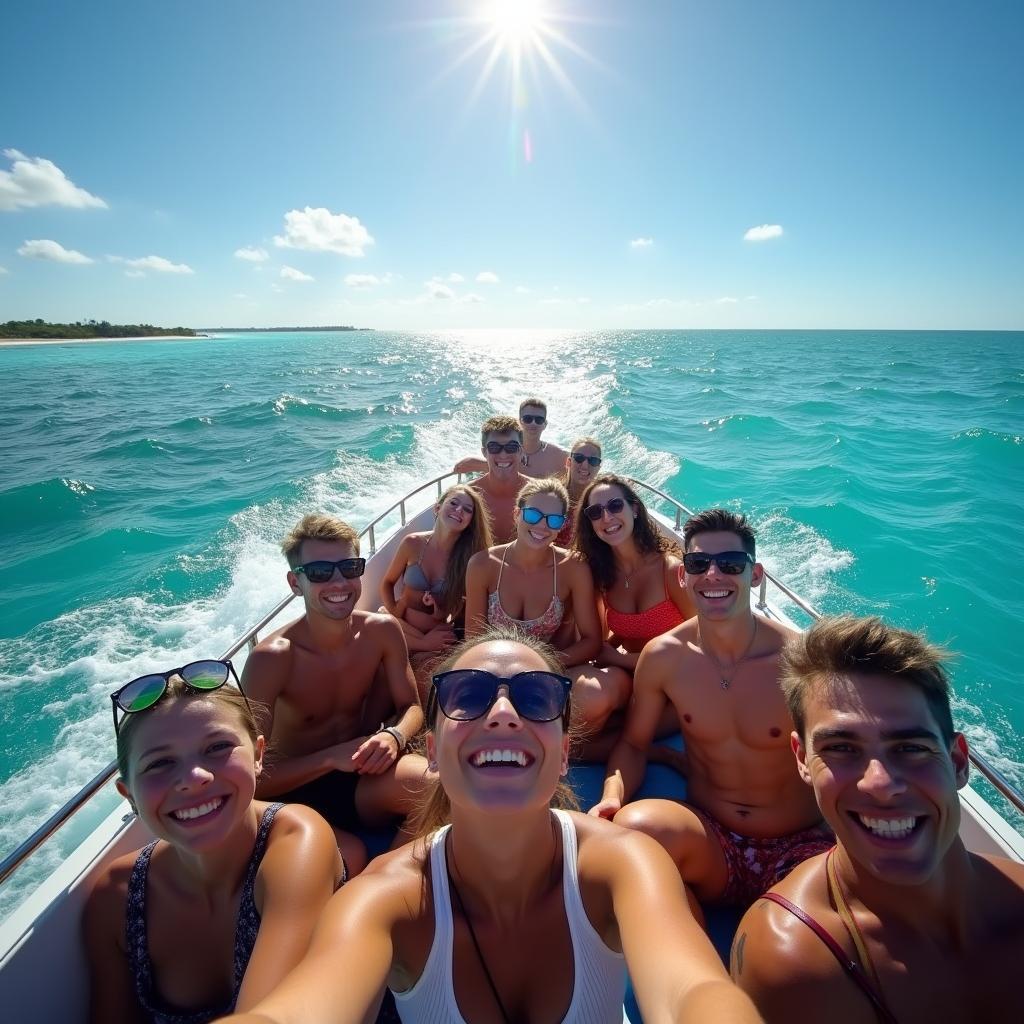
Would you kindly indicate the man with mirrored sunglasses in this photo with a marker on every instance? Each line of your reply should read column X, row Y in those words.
column 318, row 676
column 748, row 819
column 501, row 441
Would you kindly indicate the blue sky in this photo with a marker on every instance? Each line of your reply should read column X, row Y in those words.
column 247, row 162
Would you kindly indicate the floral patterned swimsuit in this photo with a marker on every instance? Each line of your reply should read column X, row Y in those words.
column 545, row 626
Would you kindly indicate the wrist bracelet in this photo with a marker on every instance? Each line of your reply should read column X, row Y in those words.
column 396, row 733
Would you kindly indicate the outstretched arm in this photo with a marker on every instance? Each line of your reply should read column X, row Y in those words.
column 584, row 610
column 470, row 464
column 677, row 975
column 299, row 874
column 354, row 931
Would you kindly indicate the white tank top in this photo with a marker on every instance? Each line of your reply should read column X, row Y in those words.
column 600, row 973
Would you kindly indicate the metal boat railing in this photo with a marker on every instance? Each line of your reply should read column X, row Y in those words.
column 251, row 637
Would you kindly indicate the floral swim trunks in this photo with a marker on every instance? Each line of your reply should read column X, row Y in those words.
column 755, row 865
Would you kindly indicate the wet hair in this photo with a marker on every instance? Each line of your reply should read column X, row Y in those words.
column 317, row 526
column 538, row 403
column 225, row 696
column 544, row 485
column 476, row 537
column 500, row 425
column 598, row 555
column 833, row 648
column 720, row 520
column 435, row 807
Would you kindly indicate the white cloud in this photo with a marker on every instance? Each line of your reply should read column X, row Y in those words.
column 763, row 232
column 134, row 273
column 252, row 254
column 487, row 277
column 437, row 290
column 581, row 301
column 291, row 274
column 454, row 278
column 239, row 295
column 47, row 249
column 3, row 270
column 364, row 281
column 471, row 299
column 641, row 243
column 522, row 290
column 726, row 300
column 33, row 181
column 319, row 230
column 155, row 263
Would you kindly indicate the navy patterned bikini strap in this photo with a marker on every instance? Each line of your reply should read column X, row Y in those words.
column 135, row 923
column 260, row 847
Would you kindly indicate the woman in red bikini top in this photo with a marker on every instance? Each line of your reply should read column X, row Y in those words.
column 635, row 569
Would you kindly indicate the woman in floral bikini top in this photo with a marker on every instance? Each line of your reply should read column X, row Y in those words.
column 537, row 588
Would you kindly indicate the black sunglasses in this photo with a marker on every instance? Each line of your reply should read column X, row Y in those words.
column 322, row 570
column 494, row 447
column 465, row 694
column 595, row 511
column 594, row 460
column 145, row 691
column 539, row 420
column 732, row 563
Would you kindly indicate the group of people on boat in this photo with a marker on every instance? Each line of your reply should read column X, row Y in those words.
column 822, row 773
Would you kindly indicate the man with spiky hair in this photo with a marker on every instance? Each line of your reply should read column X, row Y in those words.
column 501, row 441
column 317, row 676
column 900, row 921
column 748, row 819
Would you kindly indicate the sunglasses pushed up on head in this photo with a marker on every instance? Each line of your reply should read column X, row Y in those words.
column 144, row 692
column 467, row 694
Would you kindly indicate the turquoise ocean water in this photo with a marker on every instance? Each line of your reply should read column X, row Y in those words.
column 144, row 486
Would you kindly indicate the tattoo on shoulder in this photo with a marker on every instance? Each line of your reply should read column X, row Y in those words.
column 737, row 954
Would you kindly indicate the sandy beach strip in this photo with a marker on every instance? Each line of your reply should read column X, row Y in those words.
column 12, row 342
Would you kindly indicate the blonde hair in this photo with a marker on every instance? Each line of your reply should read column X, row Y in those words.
column 500, row 425
column 317, row 526
column 476, row 537
column 545, row 485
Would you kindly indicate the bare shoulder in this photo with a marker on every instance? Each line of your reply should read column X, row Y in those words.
column 480, row 560
column 391, row 886
column 606, row 849
column 295, row 821
column 773, row 948
column 669, row 647
column 108, row 898
column 1001, row 883
column 380, row 625
column 775, row 634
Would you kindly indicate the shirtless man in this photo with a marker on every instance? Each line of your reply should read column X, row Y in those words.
column 501, row 440
column 314, row 677
column 538, row 458
column 933, row 932
column 750, row 819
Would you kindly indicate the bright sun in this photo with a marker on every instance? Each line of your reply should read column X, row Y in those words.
column 515, row 21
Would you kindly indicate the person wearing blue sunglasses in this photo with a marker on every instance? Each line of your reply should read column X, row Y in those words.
column 510, row 905
column 538, row 588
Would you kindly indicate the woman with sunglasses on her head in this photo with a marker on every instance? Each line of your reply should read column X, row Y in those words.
column 533, row 586
column 511, row 906
column 213, row 913
column 635, row 569
column 581, row 467
column 432, row 568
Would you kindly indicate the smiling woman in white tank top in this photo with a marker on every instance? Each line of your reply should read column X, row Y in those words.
column 510, row 908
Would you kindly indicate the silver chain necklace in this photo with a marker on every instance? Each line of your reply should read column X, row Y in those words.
column 726, row 681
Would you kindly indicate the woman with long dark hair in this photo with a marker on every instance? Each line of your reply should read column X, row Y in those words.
column 635, row 568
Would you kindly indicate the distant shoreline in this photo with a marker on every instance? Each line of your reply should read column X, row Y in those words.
column 18, row 342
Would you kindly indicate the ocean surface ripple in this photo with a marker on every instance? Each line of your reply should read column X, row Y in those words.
column 144, row 487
